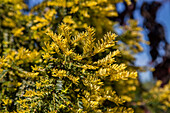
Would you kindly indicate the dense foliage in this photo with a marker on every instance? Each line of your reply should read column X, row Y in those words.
column 52, row 61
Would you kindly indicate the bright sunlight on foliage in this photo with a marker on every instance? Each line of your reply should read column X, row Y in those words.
column 64, row 56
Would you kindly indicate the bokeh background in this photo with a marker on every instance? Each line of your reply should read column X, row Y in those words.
column 30, row 28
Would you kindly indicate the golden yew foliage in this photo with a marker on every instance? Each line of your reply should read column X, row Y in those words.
column 29, row 30
column 158, row 99
column 15, row 26
column 74, row 72
column 66, row 80
column 78, row 14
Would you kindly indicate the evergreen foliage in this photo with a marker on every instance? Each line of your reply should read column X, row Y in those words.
column 52, row 61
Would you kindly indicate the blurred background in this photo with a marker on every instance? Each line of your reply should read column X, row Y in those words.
column 154, row 17
column 143, row 23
